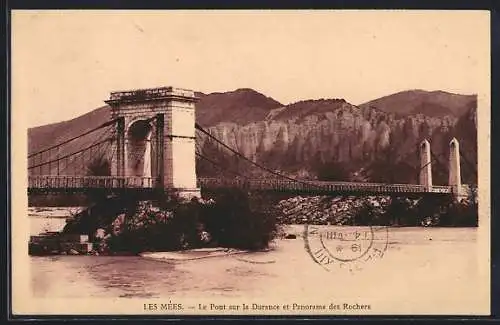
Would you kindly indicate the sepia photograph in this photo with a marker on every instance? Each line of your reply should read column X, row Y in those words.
column 250, row 162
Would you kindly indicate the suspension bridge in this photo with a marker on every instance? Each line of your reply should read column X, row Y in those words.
column 149, row 144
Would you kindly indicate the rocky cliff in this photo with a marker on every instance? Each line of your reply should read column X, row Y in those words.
column 332, row 139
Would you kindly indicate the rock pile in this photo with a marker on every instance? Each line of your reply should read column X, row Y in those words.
column 322, row 210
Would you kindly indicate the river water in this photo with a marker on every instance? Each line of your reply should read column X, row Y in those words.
column 432, row 266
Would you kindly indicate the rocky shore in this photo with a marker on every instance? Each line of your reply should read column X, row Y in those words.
column 323, row 210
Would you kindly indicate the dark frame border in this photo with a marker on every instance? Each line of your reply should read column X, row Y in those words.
column 340, row 4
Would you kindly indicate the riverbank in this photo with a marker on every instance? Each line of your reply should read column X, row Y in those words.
column 231, row 221
column 56, row 243
column 192, row 254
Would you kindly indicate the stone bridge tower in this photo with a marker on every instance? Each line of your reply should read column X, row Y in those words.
column 156, row 137
column 425, row 174
column 454, row 173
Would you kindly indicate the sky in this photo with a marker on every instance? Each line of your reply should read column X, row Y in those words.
column 65, row 63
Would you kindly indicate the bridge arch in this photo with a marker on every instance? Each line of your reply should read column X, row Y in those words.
column 139, row 151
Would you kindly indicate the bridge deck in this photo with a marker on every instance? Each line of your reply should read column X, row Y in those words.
column 85, row 183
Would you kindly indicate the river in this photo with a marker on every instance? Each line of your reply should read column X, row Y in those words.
column 421, row 265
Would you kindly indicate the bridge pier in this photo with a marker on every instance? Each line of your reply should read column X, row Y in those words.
column 156, row 137
column 454, row 173
column 425, row 174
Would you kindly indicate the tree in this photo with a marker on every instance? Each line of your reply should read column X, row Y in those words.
column 100, row 166
column 238, row 220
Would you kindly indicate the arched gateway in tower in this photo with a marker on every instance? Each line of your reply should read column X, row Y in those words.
column 156, row 137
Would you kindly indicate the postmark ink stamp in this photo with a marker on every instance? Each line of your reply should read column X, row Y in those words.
column 345, row 247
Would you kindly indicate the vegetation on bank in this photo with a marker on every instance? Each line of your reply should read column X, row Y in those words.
column 231, row 219
column 418, row 212
column 236, row 219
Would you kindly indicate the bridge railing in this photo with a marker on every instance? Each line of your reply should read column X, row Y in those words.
column 370, row 187
column 52, row 181
column 68, row 182
column 317, row 186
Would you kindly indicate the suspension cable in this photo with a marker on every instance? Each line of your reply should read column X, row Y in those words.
column 95, row 143
column 68, row 164
column 73, row 138
column 71, row 154
column 219, row 166
column 197, row 126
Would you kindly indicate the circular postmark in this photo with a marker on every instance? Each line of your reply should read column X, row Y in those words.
column 345, row 246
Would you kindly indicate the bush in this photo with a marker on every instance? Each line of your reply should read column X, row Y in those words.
column 231, row 220
column 401, row 212
column 100, row 214
column 427, row 211
column 460, row 214
column 368, row 215
column 235, row 221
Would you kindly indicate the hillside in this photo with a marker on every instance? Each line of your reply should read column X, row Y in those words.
column 46, row 135
column 241, row 106
column 429, row 103
column 325, row 139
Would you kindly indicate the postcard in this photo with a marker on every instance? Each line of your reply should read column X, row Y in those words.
column 250, row 162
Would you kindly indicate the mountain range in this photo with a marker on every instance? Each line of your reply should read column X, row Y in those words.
column 328, row 139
